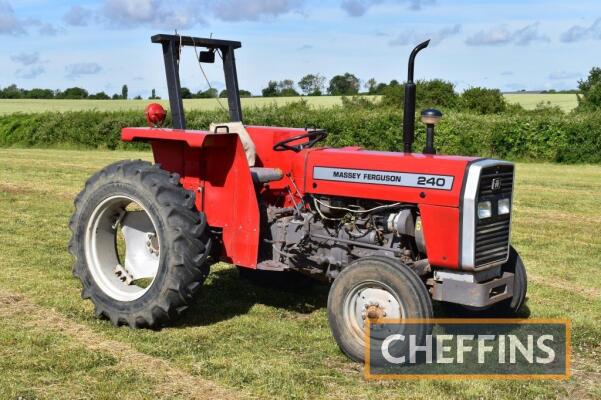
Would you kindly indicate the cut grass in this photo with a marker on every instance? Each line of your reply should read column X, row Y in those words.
column 254, row 341
column 8, row 106
column 102, row 360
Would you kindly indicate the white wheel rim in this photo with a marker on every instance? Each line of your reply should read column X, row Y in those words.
column 122, row 278
column 370, row 300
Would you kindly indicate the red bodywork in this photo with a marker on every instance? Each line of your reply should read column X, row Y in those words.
column 215, row 167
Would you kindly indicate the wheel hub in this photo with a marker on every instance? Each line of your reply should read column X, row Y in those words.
column 370, row 301
column 374, row 312
column 122, row 248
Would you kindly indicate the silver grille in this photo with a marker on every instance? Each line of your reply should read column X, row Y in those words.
column 492, row 234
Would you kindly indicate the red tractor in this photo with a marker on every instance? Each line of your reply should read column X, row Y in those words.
column 391, row 231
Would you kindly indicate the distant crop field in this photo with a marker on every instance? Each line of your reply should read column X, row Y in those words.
column 244, row 341
column 8, row 106
column 529, row 101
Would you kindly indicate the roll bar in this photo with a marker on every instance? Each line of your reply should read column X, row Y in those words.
column 171, row 51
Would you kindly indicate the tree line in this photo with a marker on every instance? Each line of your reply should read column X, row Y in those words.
column 74, row 93
column 436, row 92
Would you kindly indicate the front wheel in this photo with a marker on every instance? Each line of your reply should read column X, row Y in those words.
column 140, row 246
column 373, row 288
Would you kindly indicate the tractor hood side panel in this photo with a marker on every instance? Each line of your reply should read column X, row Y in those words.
column 433, row 183
column 397, row 177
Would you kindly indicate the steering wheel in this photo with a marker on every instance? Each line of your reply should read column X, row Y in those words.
column 313, row 136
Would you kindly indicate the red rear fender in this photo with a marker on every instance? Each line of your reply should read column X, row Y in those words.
column 214, row 166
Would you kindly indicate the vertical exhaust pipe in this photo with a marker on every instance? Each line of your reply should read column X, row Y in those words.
column 409, row 111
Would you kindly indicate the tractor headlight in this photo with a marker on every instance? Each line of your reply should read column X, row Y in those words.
column 484, row 209
column 504, row 206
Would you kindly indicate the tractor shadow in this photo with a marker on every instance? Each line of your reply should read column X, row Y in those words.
column 226, row 295
column 442, row 310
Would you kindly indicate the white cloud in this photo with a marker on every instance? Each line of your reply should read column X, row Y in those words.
column 412, row 37
column 26, row 58
column 31, row 73
column 357, row 8
column 79, row 69
column 502, row 35
column 245, row 10
column 578, row 32
column 48, row 30
column 560, row 75
column 9, row 23
column 77, row 16
column 154, row 13
column 187, row 13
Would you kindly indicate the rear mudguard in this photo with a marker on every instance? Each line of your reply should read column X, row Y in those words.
column 215, row 168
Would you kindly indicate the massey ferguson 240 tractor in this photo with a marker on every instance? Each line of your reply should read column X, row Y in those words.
column 391, row 231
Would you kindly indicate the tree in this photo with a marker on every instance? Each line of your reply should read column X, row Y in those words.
column 590, row 91
column 286, row 88
column 380, row 88
column 371, row 85
column 483, row 100
column 124, row 91
column 116, row 97
column 344, row 85
column 288, row 92
column 73, row 93
column 436, row 93
column 11, row 92
column 39, row 94
column 153, row 95
column 138, row 97
column 207, row 94
column 186, row 93
column 243, row 93
column 286, row 84
column 312, row 84
column 271, row 90
column 99, row 96
column 393, row 95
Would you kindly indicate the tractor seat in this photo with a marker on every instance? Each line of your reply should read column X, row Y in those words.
column 259, row 175
column 247, row 142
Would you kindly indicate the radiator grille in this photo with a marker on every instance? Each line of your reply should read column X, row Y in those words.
column 492, row 234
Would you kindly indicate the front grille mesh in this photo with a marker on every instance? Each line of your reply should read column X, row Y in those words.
column 492, row 234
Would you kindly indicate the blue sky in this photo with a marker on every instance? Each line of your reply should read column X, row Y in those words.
column 103, row 44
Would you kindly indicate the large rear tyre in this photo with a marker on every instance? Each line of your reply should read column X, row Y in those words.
column 140, row 245
column 373, row 288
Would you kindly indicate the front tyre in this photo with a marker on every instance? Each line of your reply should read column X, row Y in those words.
column 140, row 246
column 372, row 288
column 510, row 307
column 505, row 308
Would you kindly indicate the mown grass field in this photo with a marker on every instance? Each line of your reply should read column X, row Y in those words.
column 242, row 341
column 7, row 106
